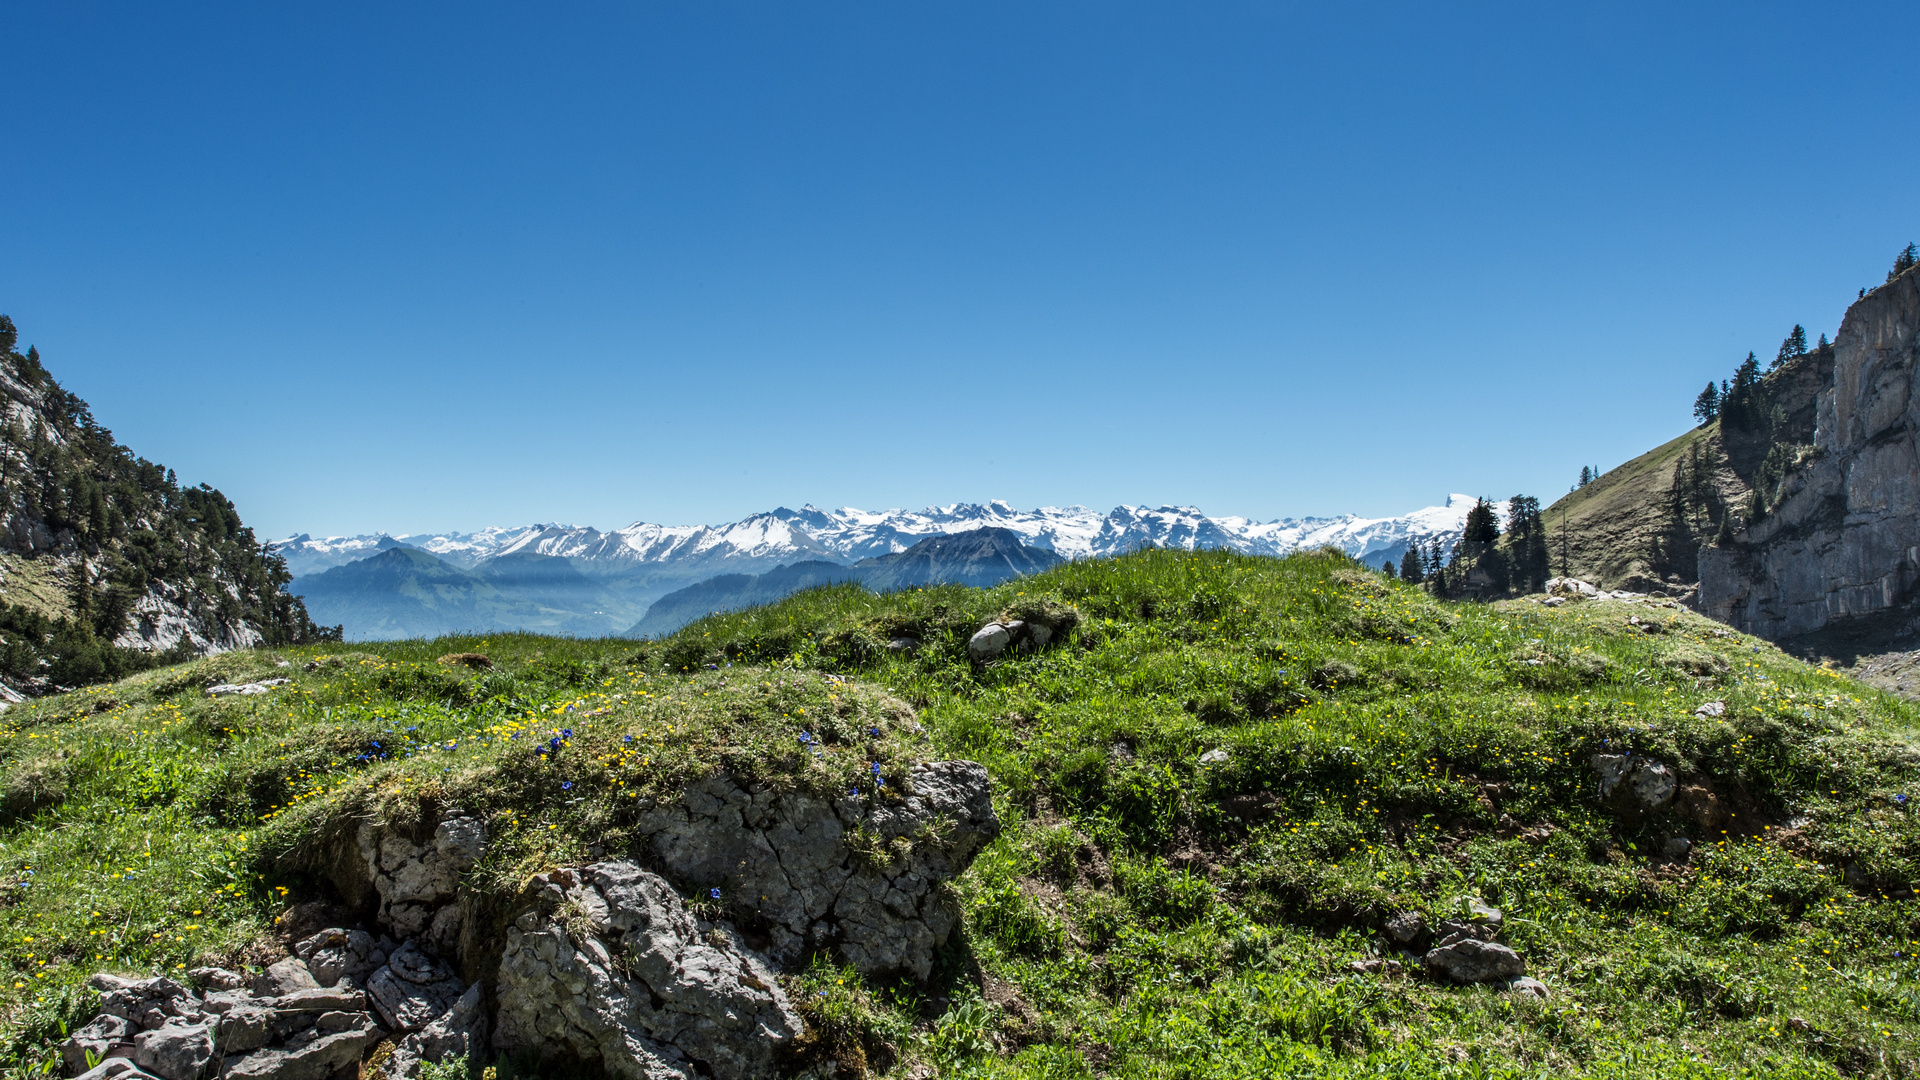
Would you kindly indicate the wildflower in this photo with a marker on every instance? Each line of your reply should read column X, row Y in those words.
column 566, row 785
column 853, row 791
column 566, row 733
column 876, row 768
column 626, row 738
column 713, row 893
column 806, row 737
column 874, row 731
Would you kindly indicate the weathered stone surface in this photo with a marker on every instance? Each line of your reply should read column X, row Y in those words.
column 1472, row 960
column 319, row 999
column 244, row 1028
column 415, row 880
column 175, row 1050
column 283, row 977
column 1843, row 540
column 788, row 853
column 317, row 1060
column 1633, row 782
column 1527, row 987
column 450, row 1037
column 332, row 955
column 637, row 987
column 99, row 1036
column 149, row 1003
column 403, row 1005
column 114, row 1069
column 212, row 978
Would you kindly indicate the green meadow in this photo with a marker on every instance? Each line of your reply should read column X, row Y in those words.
column 1145, row 914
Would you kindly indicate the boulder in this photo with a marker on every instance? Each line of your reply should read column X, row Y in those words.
column 903, row 645
column 243, row 1028
column 1711, row 709
column 414, row 880
column 245, row 689
column 613, row 970
column 283, row 977
column 115, row 1069
column 1471, row 960
column 1217, row 756
column 1634, row 783
column 413, row 989
column 175, row 1050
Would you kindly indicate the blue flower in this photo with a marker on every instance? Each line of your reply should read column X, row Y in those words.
column 1899, row 798
column 626, row 738
column 566, row 733
column 806, row 737
column 554, row 742
column 874, row 731
column 854, row 792
column 880, row 781
column 376, row 746
column 413, row 729
column 566, row 785
column 714, row 893
column 876, row 768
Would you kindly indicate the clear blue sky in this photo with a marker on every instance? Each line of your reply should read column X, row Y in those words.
column 417, row 266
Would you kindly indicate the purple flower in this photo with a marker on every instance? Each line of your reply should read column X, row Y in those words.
column 713, row 893
column 566, row 733
column 876, row 768
column 874, row 731
column 1896, row 798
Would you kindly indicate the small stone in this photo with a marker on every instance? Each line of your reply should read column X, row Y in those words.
column 1529, row 987
column 174, row 1051
column 1482, row 912
column 1039, row 634
column 988, row 642
column 1472, row 960
column 1217, row 756
column 319, row 999
column 1678, row 847
column 316, row 1060
column 244, row 1028
column 114, row 1069
column 1405, row 927
column 212, row 978
column 1635, row 783
column 903, row 644
column 1711, row 709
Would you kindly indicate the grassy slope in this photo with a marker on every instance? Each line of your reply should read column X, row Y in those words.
column 1611, row 524
column 1144, row 915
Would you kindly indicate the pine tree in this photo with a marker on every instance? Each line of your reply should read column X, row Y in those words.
column 1483, row 526
column 1586, row 476
column 1737, row 405
column 1707, row 405
column 1528, row 559
column 1904, row 261
column 1387, row 567
column 1794, row 346
column 1410, row 569
column 1823, row 341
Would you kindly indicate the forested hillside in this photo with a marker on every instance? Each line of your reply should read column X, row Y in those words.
column 107, row 563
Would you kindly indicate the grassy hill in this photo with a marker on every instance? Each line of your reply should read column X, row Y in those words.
column 1146, row 913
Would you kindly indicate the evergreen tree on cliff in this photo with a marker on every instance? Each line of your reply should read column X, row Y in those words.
column 1707, row 405
column 1793, row 347
column 1738, row 406
column 1904, row 261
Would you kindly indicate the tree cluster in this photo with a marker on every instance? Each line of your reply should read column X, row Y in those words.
column 1485, row 562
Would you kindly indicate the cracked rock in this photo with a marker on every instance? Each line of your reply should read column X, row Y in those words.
column 174, row 1051
column 1635, row 783
column 1471, row 960
column 617, row 972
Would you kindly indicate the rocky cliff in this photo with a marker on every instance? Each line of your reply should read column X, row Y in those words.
column 107, row 563
column 1840, row 544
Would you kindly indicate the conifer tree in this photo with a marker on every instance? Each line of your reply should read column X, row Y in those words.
column 1387, row 567
column 1410, row 569
column 1904, row 261
column 1823, row 341
column 1707, row 405
column 1528, row 560
column 1794, row 346
column 1586, row 476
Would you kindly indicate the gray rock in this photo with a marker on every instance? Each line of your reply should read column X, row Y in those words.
column 1216, row 756
column 452, row 1036
column 403, row 1004
column 1839, row 543
column 212, row 978
column 316, row 1060
column 244, row 1028
column 988, row 643
column 334, row 955
column 789, row 853
column 414, row 880
column 1527, row 987
column 1471, row 960
column 903, row 644
column 99, row 1036
column 1678, row 847
column 1635, row 783
column 1405, row 927
column 319, row 999
column 1482, row 912
column 638, row 988
column 1711, row 709
column 174, row 1051
column 245, row 689
column 1039, row 635
column 284, row 977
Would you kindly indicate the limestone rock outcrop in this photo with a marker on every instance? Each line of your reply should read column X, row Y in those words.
column 1843, row 542
column 610, row 967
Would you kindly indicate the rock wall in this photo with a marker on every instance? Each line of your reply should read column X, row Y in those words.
column 1844, row 540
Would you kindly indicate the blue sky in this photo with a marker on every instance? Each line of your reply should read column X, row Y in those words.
column 413, row 267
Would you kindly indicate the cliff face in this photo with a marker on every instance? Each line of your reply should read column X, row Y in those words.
column 1842, row 543
column 107, row 564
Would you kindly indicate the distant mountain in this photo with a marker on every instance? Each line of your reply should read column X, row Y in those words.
column 847, row 535
column 976, row 557
column 405, row 592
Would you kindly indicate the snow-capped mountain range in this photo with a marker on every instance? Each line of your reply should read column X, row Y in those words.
column 848, row 534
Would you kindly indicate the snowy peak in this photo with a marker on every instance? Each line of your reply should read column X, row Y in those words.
column 849, row 534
